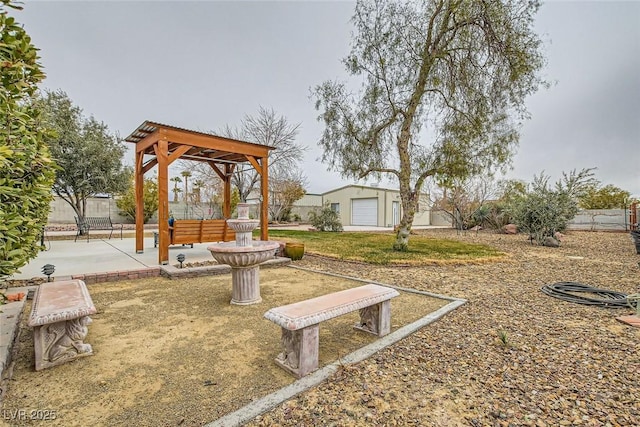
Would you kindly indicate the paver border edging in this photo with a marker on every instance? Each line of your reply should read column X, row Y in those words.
column 173, row 272
column 10, row 316
column 266, row 403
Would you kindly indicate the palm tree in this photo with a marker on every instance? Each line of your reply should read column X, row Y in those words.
column 186, row 175
column 197, row 189
column 176, row 190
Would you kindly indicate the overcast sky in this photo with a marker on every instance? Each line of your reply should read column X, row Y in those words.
column 201, row 65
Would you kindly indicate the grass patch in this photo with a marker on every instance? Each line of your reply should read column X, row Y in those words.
column 376, row 248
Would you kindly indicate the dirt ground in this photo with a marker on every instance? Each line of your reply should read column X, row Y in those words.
column 170, row 353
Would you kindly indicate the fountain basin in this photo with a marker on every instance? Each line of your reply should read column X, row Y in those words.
column 243, row 225
column 243, row 256
column 244, row 261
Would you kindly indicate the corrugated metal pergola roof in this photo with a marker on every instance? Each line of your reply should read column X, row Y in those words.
column 205, row 147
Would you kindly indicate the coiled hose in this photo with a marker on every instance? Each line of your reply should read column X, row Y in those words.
column 566, row 291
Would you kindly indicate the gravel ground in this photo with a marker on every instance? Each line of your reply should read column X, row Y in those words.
column 562, row 364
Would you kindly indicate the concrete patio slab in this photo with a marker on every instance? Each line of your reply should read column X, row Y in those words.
column 103, row 255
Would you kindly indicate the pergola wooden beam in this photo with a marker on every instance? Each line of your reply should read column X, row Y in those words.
column 227, row 158
column 147, row 142
column 148, row 165
column 167, row 144
column 255, row 164
column 207, row 141
column 178, row 153
column 216, row 170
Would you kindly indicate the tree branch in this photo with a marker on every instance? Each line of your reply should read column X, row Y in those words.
column 424, row 175
column 381, row 170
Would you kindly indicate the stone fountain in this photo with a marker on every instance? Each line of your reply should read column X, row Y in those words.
column 243, row 256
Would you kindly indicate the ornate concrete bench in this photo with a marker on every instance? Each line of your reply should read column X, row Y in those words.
column 300, row 321
column 60, row 316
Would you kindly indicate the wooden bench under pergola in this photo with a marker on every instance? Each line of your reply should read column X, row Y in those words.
column 160, row 145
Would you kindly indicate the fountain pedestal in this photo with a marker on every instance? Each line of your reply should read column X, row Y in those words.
column 244, row 262
column 244, row 256
column 245, row 287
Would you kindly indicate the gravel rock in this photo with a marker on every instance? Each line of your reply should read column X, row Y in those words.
column 512, row 356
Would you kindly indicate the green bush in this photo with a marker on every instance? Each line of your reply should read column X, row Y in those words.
column 26, row 169
column 127, row 201
column 543, row 210
column 491, row 216
column 325, row 220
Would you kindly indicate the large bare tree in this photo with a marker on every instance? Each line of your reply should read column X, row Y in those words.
column 464, row 198
column 266, row 128
column 285, row 188
column 443, row 87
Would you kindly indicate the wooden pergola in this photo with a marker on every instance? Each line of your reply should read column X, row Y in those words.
column 163, row 145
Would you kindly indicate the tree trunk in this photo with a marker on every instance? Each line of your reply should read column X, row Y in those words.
column 78, row 207
column 409, row 205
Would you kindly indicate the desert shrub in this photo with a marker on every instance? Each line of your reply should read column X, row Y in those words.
column 496, row 217
column 325, row 220
column 543, row 210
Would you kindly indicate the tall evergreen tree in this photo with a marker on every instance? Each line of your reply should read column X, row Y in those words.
column 89, row 155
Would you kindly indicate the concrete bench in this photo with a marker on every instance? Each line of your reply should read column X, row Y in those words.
column 60, row 316
column 300, row 321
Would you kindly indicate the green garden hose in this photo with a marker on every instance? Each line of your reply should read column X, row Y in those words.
column 567, row 291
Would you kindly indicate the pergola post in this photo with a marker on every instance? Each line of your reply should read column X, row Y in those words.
column 226, row 207
column 139, row 185
column 163, row 198
column 264, row 187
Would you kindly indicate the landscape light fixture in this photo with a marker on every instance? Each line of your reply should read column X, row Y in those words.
column 48, row 270
column 180, row 259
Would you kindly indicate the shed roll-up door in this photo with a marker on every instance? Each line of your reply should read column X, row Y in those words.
column 364, row 212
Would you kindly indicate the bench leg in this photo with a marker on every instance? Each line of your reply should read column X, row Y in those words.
column 60, row 342
column 299, row 351
column 376, row 319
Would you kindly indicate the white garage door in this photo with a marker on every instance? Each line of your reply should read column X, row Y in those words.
column 364, row 212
